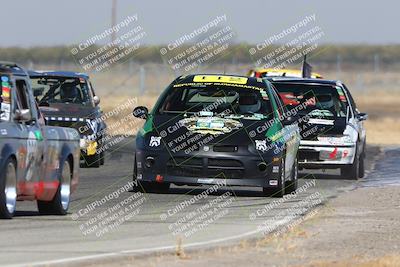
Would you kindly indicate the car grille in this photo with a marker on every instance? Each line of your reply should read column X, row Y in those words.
column 205, row 167
column 224, row 148
column 75, row 125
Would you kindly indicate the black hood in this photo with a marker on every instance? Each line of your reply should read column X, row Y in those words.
column 179, row 133
column 69, row 110
column 313, row 128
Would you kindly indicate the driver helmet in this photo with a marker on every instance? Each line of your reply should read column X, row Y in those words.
column 68, row 92
column 249, row 103
column 324, row 102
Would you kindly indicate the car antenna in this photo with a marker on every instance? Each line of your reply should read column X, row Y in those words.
column 306, row 68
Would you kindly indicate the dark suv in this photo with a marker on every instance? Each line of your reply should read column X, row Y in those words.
column 68, row 99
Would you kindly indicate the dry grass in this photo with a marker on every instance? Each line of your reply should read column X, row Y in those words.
column 385, row 261
column 384, row 131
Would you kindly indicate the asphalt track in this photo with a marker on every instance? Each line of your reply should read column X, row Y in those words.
column 155, row 222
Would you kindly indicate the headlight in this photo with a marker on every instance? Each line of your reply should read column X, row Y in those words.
column 85, row 143
column 89, row 146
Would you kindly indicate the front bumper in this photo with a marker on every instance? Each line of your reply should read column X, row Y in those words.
column 207, row 168
column 316, row 154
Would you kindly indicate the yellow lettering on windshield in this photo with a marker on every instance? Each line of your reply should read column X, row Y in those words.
column 223, row 79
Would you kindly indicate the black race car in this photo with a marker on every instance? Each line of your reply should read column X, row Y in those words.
column 217, row 129
column 68, row 99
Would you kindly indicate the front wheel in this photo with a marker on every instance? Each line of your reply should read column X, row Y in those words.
column 351, row 171
column 8, row 189
column 60, row 203
column 291, row 185
column 361, row 168
column 93, row 161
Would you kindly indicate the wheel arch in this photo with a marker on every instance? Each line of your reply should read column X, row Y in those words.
column 6, row 153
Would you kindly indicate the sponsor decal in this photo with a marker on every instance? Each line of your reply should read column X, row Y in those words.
column 342, row 97
column 21, row 157
column 210, row 125
column 217, row 79
column 273, row 182
column 261, row 145
column 38, row 135
column 333, row 155
column 275, row 169
column 205, row 180
column 32, row 151
column 155, row 141
column 5, row 111
column 321, row 121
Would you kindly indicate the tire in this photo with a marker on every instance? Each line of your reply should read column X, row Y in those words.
column 93, row 161
column 136, row 186
column 280, row 190
column 8, row 189
column 159, row 188
column 148, row 187
column 60, row 203
column 351, row 171
column 361, row 166
column 102, row 159
column 153, row 187
column 291, row 185
column 103, row 153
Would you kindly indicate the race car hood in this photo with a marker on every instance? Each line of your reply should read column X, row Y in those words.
column 181, row 133
column 67, row 110
column 74, row 116
column 314, row 127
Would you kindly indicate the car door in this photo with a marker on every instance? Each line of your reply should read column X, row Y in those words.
column 289, row 136
column 355, row 119
column 31, row 147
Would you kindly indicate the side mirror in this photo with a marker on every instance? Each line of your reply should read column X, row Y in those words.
column 96, row 100
column 23, row 115
column 362, row 116
column 141, row 112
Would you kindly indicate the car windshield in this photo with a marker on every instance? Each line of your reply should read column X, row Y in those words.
column 319, row 100
column 216, row 99
column 49, row 90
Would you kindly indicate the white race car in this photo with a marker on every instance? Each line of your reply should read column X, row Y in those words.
column 332, row 131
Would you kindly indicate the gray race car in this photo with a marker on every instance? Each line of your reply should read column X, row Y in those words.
column 37, row 162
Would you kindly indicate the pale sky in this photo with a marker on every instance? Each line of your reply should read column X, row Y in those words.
column 51, row 22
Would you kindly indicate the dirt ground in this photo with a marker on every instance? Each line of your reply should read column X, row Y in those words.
column 365, row 233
